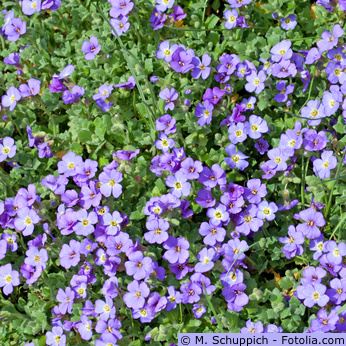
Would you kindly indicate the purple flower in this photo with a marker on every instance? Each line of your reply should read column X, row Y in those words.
column 191, row 168
column 70, row 254
column 86, row 222
column 11, row 98
column 278, row 158
column 330, row 39
column 284, row 69
column 120, row 25
column 248, row 221
column 120, row 8
column 73, row 95
column 284, row 91
column 190, row 292
column 335, row 252
column 257, row 126
column 7, row 148
column 29, row 7
column 165, row 51
column 84, row 328
column 36, row 257
column 262, row 146
column 235, row 297
column 14, row 29
column 110, row 183
column 237, row 133
column 324, row 322
column 13, row 59
column 26, row 220
column 201, row 68
column 267, row 210
column 238, row 3
column 178, row 13
column 210, row 177
column 205, row 257
column 138, row 266
column 179, row 184
column 65, row 298
column 236, row 158
column 281, row 51
column 289, row 22
column 129, row 84
column 163, row 5
column 313, row 110
column 325, row 164
column 313, row 294
column 255, row 82
column 137, row 292
column 231, row 17
column 252, row 327
column 91, row 48
column 70, row 164
column 315, row 141
column 331, row 100
column 157, row 19
column 112, row 222
column 104, row 92
column 218, row 215
column 198, row 310
column 126, row 155
column 293, row 243
column 176, row 250
column 105, row 309
column 157, row 231
column 337, row 291
column 255, row 191
column 182, row 60
column 56, row 337
column 32, row 88
column 312, row 220
column 204, row 112
column 212, row 234
column 8, row 278
column 205, row 198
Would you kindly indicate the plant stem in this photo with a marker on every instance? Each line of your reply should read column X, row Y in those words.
column 340, row 223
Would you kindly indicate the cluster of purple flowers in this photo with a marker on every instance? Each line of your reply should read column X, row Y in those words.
column 291, row 141
column 232, row 17
column 119, row 13
column 13, row 27
column 96, row 245
column 13, row 95
column 29, row 7
column 183, row 60
column 104, row 93
column 165, row 11
column 40, row 143
column 330, row 5
column 60, row 84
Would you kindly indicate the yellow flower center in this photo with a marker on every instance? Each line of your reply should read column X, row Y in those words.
column 6, row 150
column 27, row 221
column 235, row 158
column 316, row 295
column 71, row 165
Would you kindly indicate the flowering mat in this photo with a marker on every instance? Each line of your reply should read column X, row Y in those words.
column 170, row 167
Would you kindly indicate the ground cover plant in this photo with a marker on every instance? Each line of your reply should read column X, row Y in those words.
column 171, row 166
